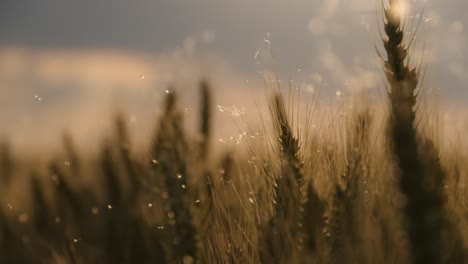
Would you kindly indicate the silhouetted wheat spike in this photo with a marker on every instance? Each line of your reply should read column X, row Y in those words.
column 122, row 227
column 205, row 118
column 6, row 163
column 402, row 78
column 313, row 221
column 41, row 227
column 69, row 205
column 116, row 225
column 283, row 237
column 205, row 133
column 42, row 216
column 123, row 139
column 138, row 249
column 206, row 193
column 346, row 214
column 289, row 144
column 425, row 199
column 171, row 151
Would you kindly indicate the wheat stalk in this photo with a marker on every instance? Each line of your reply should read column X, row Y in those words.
column 424, row 209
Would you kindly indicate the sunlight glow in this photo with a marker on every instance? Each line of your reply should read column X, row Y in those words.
column 399, row 8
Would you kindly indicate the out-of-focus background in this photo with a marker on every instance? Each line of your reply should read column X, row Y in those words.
column 72, row 64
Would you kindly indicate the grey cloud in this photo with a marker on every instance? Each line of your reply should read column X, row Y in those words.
column 326, row 39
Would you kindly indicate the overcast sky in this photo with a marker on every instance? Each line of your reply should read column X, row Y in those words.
column 69, row 56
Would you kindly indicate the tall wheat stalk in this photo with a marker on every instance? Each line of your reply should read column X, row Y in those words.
column 6, row 163
column 426, row 218
column 281, row 234
column 170, row 149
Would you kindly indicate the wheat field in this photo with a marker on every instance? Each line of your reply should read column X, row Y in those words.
column 367, row 183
